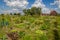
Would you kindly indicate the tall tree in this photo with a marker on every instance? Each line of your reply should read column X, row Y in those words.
column 32, row 11
column 25, row 11
column 39, row 11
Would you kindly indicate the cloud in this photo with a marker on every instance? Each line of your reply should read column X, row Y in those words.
column 56, row 2
column 19, row 5
column 11, row 10
column 59, row 6
column 16, row 5
column 58, row 10
column 39, row 3
column 45, row 10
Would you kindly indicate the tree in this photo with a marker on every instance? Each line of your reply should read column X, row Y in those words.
column 39, row 11
column 25, row 11
column 58, row 14
column 28, row 12
column 32, row 11
column 36, row 11
column 14, row 13
column 11, row 14
column 18, row 14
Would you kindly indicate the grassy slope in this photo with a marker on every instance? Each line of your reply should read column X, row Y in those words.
column 33, row 26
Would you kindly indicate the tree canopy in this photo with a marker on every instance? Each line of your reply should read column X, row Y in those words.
column 32, row 11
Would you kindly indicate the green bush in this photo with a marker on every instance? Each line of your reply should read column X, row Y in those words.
column 21, row 34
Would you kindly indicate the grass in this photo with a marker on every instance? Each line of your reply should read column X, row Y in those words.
column 30, row 27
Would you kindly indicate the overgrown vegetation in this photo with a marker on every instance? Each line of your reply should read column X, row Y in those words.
column 31, row 26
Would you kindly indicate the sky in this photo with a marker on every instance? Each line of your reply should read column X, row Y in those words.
column 11, row 6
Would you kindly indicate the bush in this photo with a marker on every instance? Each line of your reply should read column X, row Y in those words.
column 21, row 34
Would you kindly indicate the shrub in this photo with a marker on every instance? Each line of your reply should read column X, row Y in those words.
column 21, row 34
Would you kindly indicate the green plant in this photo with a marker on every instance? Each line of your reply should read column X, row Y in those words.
column 21, row 34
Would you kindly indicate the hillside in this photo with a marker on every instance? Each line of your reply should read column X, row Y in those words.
column 30, row 27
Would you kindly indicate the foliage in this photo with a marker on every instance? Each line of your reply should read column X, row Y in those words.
column 21, row 34
column 32, row 11
column 31, row 27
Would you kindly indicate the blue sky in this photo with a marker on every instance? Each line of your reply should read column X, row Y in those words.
column 18, row 6
column 46, row 2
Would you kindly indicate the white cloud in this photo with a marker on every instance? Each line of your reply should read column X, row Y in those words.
column 19, row 5
column 59, row 6
column 39, row 3
column 45, row 10
column 56, row 2
column 11, row 10
column 16, row 5
column 58, row 10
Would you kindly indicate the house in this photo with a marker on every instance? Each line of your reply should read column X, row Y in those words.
column 53, row 13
